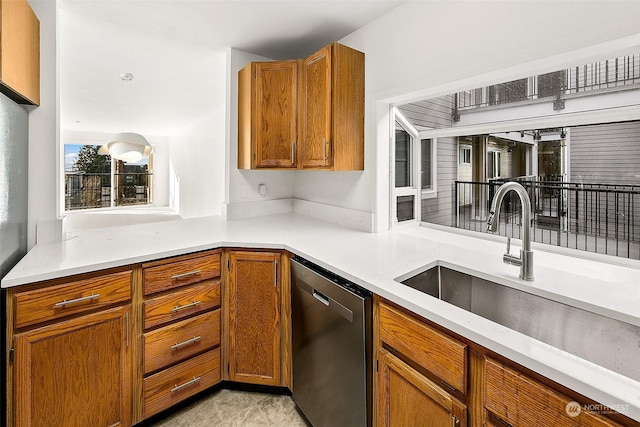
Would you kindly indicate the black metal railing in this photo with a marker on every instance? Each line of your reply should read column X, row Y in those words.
column 601, row 218
column 611, row 73
column 93, row 190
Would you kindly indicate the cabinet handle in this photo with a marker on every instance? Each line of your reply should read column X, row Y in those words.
column 182, row 307
column 275, row 273
column 324, row 151
column 454, row 421
column 188, row 383
column 187, row 342
column 126, row 316
column 190, row 273
column 293, row 152
column 76, row 300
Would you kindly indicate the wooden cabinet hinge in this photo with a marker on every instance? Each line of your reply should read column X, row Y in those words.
column 11, row 353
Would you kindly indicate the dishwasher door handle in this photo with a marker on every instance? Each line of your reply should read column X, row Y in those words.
column 323, row 299
column 329, row 302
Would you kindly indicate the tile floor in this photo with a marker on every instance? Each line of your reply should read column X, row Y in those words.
column 228, row 408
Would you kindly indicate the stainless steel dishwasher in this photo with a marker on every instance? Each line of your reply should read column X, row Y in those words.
column 332, row 337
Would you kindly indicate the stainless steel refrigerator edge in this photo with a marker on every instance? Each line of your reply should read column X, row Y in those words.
column 331, row 337
column 14, row 127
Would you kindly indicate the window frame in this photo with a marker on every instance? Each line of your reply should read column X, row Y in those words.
column 415, row 169
column 113, row 184
column 460, row 156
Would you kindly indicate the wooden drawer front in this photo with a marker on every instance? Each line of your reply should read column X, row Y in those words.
column 57, row 301
column 443, row 356
column 180, row 273
column 172, row 385
column 182, row 303
column 521, row 401
column 176, row 342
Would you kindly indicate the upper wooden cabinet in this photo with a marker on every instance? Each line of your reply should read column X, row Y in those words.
column 303, row 114
column 267, row 115
column 333, row 109
column 19, row 52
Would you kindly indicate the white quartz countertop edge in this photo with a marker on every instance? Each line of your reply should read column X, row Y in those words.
column 374, row 261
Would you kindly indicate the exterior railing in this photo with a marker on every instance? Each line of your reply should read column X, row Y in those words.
column 611, row 73
column 601, row 218
column 93, row 190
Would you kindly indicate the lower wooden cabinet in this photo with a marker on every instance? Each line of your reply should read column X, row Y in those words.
column 181, row 320
column 166, row 388
column 406, row 398
column 253, row 298
column 514, row 399
column 429, row 377
column 75, row 372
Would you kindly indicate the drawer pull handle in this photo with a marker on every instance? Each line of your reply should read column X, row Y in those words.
column 187, row 384
column 187, row 342
column 76, row 300
column 190, row 273
column 182, row 307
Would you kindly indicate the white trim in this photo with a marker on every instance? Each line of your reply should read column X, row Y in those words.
column 347, row 217
column 238, row 210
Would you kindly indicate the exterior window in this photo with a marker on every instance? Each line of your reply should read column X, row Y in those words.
column 93, row 180
column 493, row 164
column 465, row 156
column 415, row 168
column 426, row 170
column 403, row 157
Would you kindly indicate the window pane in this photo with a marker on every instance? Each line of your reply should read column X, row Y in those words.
column 426, row 164
column 465, row 156
column 403, row 158
column 132, row 183
column 404, row 206
column 493, row 164
column 87, row 177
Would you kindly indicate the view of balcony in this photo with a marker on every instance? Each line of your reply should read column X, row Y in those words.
column 597, row 76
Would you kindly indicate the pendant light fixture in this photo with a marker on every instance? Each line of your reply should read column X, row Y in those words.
column 127, row 146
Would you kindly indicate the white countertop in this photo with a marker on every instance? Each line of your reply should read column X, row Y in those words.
column 374, row 261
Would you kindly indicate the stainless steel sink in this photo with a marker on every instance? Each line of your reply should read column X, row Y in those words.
column 607, row 342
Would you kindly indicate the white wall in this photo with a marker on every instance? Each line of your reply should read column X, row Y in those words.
column 242, row 185
column 179, row 92
column 43, row 126
column 424, row 49
column 197, row 153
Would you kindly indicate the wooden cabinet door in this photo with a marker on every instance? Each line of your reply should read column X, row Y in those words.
column 276, row 116
column 20, row 52
column 316, row 120
column 75, row 373
column 512, row 398
column 407, row 398
column 254, row 317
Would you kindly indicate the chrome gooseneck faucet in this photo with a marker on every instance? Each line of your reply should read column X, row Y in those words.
column 525, row 261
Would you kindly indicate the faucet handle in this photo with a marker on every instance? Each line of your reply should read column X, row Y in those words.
column 508, row 245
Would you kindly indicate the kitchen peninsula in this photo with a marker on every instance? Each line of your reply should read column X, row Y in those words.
column 373, row 261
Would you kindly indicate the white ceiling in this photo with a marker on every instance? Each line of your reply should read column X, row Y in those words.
column 175, row 49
